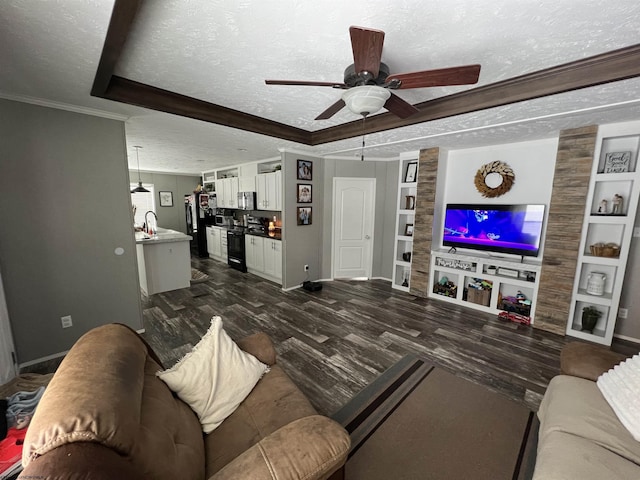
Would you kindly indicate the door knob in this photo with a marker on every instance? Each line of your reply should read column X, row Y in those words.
column 367, row 237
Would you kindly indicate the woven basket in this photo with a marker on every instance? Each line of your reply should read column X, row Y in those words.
column 611, row 250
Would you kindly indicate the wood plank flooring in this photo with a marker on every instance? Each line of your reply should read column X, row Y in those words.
column 335, row 342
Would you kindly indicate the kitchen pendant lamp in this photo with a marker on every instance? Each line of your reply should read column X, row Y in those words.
column 139, row 188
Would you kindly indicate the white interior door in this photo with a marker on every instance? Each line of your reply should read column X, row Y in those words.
column 7, row 363
column 353, row 207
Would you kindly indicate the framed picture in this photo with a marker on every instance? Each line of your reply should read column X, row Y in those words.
column 617, row 162
column 305, row 171
column 304, row 193
column 408, row 229
column 166, row 199
column 304, row 216
column 412, row 170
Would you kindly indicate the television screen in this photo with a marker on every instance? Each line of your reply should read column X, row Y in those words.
column 514, row 229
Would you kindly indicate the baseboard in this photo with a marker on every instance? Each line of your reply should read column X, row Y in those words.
column 42, row 359
column 628, row 339
column 381, row 278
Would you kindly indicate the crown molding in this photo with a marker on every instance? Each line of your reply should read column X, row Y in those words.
column 64, row 106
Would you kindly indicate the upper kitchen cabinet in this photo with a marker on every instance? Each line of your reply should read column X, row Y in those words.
column 269, row 191
column 247, row 177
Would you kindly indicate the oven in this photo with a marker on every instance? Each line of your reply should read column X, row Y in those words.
column 235, row 249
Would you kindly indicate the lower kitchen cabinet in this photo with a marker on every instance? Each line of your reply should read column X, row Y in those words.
column 217, row 243
column 264, row 257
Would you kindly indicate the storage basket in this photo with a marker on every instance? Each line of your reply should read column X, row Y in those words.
column 479, row 297
column 605, row 249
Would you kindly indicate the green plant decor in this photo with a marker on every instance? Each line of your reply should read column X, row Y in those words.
column 590, row 317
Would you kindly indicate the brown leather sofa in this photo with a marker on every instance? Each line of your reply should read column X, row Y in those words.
column 105, row 414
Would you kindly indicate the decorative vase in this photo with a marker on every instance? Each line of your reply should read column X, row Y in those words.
column 589, row 321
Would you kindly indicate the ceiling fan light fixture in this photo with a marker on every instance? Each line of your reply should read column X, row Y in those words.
column 365, row 99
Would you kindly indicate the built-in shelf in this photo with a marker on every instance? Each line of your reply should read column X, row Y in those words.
column 609, row 219
column 405, row 215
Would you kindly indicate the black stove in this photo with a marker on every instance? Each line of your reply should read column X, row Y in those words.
column 236, row 257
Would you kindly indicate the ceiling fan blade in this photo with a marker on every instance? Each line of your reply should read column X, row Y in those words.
column 463, row 75
column 305, row 83
column 399, row 107
column 332, row 110
column 367, row 49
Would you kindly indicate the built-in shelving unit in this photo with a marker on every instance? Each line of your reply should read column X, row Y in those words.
column 485, row 283
column 607, row 230
column 405, row 220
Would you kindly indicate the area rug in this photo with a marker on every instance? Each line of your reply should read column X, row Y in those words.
column 198, row 277
column 434, row 425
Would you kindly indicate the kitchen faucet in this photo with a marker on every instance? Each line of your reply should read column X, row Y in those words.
column 148, row 230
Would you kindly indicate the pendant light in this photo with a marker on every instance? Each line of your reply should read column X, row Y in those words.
column 139, row 188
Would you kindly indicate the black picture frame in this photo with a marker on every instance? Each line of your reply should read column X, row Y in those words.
column 305, row 170
column 166, row 199
column 304, row 193
column 411, row 174
column 304, row 216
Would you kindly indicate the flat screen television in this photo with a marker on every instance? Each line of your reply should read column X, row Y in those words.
column 513, row 229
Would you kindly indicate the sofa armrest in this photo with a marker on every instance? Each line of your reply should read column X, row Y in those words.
column 260, row 346
column 588, row 361
column 81, row 460
column 309, row 448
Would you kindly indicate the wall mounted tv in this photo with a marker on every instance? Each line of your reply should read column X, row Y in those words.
column 513, row 229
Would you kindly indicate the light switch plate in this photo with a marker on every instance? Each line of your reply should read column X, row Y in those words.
column 636, row 232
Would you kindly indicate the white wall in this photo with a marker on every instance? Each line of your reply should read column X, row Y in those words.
column 532, row 162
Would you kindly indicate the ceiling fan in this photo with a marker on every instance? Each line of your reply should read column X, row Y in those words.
column 367, row 82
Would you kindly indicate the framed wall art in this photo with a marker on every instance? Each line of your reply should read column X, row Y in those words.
column 166, row 199
column 305, row 170
column 304, row 216
column 412, row 170
column 304, row 193
column 617, row 162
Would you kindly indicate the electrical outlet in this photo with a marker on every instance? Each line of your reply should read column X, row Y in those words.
column 623, row 313
column 66, row 321
column 306, row 268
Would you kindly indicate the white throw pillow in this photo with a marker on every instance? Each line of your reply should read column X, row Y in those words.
column 215, row 377
column 620, row 387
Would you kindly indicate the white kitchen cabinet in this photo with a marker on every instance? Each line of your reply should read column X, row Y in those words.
column 254, row 252
column 228, row 193
column 220, row 187
column 264, row 257
column 269, row 191
column 273, row 258
column 217, row 243
column 247, row 184
column 213, row 242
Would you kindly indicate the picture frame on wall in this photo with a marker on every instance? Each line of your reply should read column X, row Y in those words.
column 305, row 170
column 304, row 216
column 412, row 171
column 166, row 199
column 304, row 193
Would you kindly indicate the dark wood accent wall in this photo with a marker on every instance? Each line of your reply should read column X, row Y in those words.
column 564, row 227
column 423, row 223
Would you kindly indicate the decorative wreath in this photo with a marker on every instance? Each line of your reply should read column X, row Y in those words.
column 502, row 169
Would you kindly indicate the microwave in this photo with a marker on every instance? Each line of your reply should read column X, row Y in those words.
column 223, row 220
column 246, row 200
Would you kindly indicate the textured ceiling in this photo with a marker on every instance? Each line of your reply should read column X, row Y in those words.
column 222, row 51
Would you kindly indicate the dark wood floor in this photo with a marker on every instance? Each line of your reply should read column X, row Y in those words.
column 336, row 341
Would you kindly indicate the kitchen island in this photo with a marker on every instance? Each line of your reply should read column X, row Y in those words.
column 164, row 260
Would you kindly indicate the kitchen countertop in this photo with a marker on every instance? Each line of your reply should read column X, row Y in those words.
column 276, row 235
column 164, row 235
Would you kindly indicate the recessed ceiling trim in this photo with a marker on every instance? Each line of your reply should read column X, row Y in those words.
column 596, row 70
column 608, row 67
column 135, row 93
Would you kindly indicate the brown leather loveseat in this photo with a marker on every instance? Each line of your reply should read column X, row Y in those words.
column 106, row 414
